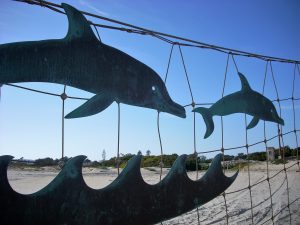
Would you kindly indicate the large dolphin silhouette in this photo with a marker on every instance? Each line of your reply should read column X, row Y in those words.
column 80, row 60
column 128, row 200
column 244, row 101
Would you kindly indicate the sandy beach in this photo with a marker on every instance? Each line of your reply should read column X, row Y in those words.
column 29, row 180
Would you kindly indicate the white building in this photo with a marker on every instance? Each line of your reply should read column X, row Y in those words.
column 270, row 153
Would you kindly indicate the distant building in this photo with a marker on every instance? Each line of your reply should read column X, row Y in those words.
column 270, row 153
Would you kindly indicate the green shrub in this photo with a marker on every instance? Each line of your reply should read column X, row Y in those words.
column 279, row 161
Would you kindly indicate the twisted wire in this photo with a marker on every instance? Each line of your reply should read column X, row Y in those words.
column 266, row 147
column 164, row 36
column 222, row 137
column 280, row 139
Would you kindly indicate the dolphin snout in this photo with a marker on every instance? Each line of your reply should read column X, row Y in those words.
column 280, row 121
column 277, row 119
column 175, row 109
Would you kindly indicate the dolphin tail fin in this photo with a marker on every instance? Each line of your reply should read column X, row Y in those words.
column 92, row 106
column 253, row 122
column 79, row 27
column 207, row 116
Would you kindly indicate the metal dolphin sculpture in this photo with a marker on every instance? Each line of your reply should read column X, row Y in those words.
column 244, row 101
column 128, row 200
column 80, row 60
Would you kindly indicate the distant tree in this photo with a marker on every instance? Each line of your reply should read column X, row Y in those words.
column 126, row 157
column 257, row 156
column 287, row 151
column 87, row 161
column 228, row 157
column 242, row 156
column 202, row 158
column 103, row 155
column 168, row 160
column 190, row 163
column 139, row 152
column 45, row 162
column 148, row 152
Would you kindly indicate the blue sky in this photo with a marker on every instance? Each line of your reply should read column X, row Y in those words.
column 30, row 123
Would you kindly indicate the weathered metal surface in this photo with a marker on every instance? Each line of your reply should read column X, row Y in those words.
column 80, row 60
column 244, row 101
column 128, row 200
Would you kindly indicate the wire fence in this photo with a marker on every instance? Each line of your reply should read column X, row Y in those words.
column 180, row 42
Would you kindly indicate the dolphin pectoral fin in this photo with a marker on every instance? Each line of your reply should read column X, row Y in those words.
column 253, row 122
column 92, row 106
column 244, row 82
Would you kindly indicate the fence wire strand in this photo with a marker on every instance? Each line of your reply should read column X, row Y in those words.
column 119, row 133
column 294, row 113
column 63, row 97
column 281, row 140
column 222, row 135
column 247, row 150
column 163, row 36
column 266, row 146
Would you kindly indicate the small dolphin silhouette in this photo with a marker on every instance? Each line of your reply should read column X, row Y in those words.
column 80, row 60
column 244, row 101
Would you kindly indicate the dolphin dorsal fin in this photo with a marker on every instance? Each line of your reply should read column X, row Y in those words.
column 79, row 27
column 244, row 82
